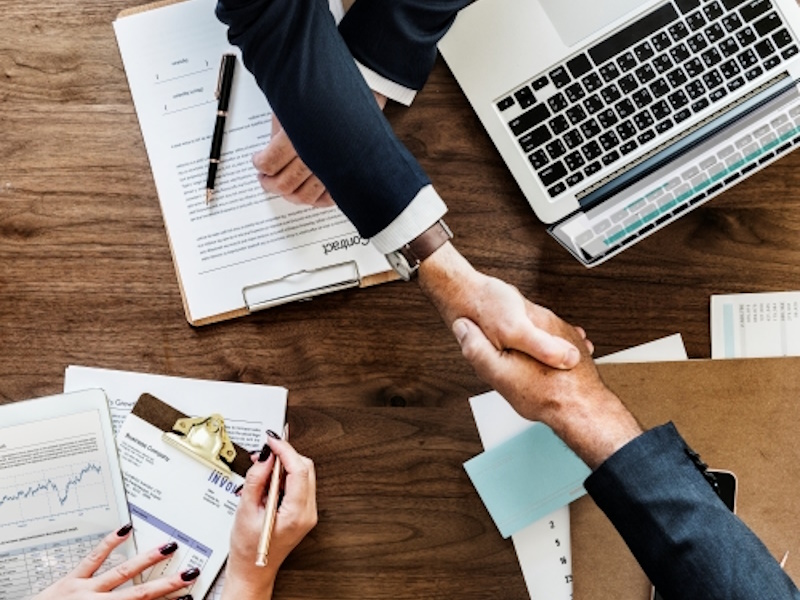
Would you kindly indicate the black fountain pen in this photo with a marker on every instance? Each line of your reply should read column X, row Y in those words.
column 224, row 86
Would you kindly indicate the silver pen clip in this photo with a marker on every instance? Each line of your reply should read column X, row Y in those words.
column 219, row 76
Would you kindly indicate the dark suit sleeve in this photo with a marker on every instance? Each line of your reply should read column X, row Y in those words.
column 686, row 540
column 397, row 38
column 301, row 63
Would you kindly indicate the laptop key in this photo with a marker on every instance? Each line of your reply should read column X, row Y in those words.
column 626, row 130
column 609, row 72
column 642, row 98
column 697, row 43
column 540, row 83
column 731, row 4
column 660, row 110
column 535, row 138
column 560, row 77
column 576, row 114
column 645, row 73
column 590, row 128
column 711, row 57
column 574, row 179
column 729, row 47
column 789, row 52
column 592, row 150
column 525, row 97
column 713, row 11
column 627, row 83
column 628, row 147
column 538, row 159
column 549, row 175
column 687, row 5
column 695, row 21
column 573, row 139
column 735, row 84
column 555, row 149
column 712, row 79
column 700, row 105
column 624, row 108
column 643, row 51
column 693, row 67
column 505, row 103
column 610, row 158
column 661, row 41
column 579, row 66
column 677, row 78
column 592, row 82
column 611, row 94
column 718, row 94
column 574, row 161
column 626, row 62
column 559, row 125
column 609, row 140
column 557, row 189
column 664, row 126
column 662, row 63
column 745, row 37
column 557, row 102
column 767, row 24
column 643, row 120
column 678, row 99
column 646, row 137
column 679, row 53
column 772, row 62
column 764, row 48
column 753, row 73
column 714, row 33
column 681, row 116
column 607, row 118
column 659, row 88
column 592, row 168
column 529, row 119
column 678, row 31
column 754, row 9
column 782, row 38
column 729, row 69
column 574, row 92
column 731, row 23
column 747, row 59
column 593, row 104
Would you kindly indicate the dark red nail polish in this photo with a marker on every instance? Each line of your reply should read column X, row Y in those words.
column 123, row 531
column 265, row 452
column 168, row 548
column 273, row 435
column 190, row 574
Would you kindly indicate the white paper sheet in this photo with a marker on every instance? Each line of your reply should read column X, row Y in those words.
column 755, row 325
column 244, row 237
column 544, row 548
column 249, row 410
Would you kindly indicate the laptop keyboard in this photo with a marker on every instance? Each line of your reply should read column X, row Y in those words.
column 627, row 91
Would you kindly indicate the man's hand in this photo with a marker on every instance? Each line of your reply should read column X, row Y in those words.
column 281, row 171
column 507, row 319
column 576, row 404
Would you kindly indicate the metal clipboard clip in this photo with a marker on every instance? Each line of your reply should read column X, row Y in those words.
column 204, row 439
column 302, row 285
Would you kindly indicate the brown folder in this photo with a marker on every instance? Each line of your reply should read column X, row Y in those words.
column 740, row 415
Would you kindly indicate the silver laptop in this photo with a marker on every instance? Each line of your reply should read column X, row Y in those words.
column 616, row 117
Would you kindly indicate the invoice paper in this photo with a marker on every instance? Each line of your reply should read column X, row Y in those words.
column 173, row 496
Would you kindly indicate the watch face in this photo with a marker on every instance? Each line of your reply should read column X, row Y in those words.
column 400, row 264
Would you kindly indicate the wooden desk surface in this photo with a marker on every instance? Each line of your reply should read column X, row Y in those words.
column 378, row 388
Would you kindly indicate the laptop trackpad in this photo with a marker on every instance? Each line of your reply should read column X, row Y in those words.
column 576, row 19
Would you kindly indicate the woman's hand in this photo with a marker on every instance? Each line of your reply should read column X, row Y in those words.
column 81, row 584
column 296, row 516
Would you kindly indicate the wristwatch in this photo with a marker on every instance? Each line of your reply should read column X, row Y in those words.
column 406, row 259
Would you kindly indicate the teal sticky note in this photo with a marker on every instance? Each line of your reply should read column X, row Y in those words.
column 527, row 477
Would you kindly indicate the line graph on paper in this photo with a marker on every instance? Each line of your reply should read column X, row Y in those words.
column 52, row 492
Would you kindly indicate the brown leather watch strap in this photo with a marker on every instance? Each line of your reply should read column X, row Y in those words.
column 426, row 243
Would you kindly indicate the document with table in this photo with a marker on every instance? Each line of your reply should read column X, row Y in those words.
column 61, row 489
column 245, row 249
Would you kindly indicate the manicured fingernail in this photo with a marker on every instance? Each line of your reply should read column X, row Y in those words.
column 273, row 435
column 168, row 548
column 123, row 531
column 238, row 489
column 459, row 330
column 265, row 452
column 190, row 574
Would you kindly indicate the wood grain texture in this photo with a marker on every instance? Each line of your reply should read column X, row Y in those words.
column 378, row 389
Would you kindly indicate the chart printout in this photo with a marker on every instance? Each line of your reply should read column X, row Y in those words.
column 57, row 500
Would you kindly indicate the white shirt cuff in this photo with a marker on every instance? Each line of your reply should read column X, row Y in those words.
column 387, row 87
column 424, row 210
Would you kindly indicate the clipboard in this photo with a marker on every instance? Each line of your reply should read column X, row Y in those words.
column 181, row 476
column 303, row 282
